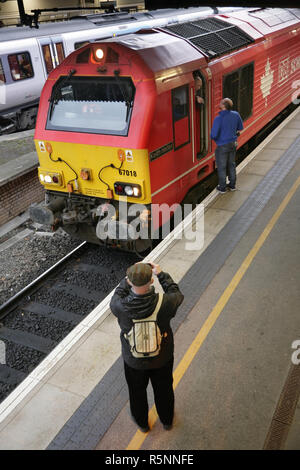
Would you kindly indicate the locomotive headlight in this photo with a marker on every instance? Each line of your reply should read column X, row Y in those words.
column 125, row 189
column 48, row 179
column 99, row 54
column 129, row 190
column 136, row 191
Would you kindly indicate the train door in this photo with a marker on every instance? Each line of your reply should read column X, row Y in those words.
column 52, row 52
column 181, row 130
column 199, row 106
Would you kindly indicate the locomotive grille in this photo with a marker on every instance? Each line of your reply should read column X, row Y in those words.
column 212, row 36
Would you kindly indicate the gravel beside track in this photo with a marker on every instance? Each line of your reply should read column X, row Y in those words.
column 48, row 314
column 30, row 257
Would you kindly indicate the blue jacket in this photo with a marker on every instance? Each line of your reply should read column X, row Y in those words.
column 225, row 127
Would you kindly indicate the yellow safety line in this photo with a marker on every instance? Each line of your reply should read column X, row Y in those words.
column 185, row 362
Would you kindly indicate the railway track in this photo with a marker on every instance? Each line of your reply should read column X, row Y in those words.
column 38, row 317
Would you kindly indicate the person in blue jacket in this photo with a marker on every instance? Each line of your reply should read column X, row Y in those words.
column 224, row 132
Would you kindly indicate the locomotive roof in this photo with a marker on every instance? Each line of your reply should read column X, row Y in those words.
column 212, row 36
column 159, row 51
column 221, row 34
column 93, row 21
column 208, row 38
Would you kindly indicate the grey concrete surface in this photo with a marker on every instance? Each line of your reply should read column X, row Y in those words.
column 17, row 167
column 17, row 155
column 13, row 224
column 228, row 395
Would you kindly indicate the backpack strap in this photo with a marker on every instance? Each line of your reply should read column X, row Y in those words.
column 155, row 312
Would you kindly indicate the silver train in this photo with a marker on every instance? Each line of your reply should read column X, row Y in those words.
column 28, row 55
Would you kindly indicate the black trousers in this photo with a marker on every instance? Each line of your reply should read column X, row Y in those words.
column 162, row 383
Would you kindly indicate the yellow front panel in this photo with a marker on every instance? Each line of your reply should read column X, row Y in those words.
column 82, row 159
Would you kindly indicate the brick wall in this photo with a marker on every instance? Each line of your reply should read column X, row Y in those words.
column 17, row 195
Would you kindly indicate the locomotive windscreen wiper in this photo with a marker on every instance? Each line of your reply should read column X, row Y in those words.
column 55, row 95
column 126, row 98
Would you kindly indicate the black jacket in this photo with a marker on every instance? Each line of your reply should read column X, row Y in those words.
column 125, row 305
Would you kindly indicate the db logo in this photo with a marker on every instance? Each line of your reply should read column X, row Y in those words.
column 296, row 354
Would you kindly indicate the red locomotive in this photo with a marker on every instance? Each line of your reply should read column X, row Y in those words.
column 118, row 120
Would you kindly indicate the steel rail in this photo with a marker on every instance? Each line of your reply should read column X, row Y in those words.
column 25, row 289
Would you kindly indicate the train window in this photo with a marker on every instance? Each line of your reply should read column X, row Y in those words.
column 200, row 118
column 20, row 66
column 180, row 112
column 231, row 88
column 246, row 91
column 2, row 75
column 180, row 104
column 101, row 105
column 77, row 45
column 60, row 51
column 47, row 58
column 238, row 86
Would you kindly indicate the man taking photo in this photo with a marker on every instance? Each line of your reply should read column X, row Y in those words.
column 147, row 339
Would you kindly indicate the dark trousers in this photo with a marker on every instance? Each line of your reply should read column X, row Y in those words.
column 225, row 158
column 162, row 383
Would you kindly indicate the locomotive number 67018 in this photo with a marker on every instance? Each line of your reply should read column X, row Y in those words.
column 128, row 173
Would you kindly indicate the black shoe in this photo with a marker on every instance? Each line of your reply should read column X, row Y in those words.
column 231, row 188
column 167, row 427
column 222, row 191
column 146, row 429
column 141, row 428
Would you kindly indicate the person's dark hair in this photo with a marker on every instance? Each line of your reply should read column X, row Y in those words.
column 196, row 74
column 139, row 274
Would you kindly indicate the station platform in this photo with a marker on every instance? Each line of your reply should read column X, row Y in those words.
column 17, row 155
column 236, row 378
column 19, row 182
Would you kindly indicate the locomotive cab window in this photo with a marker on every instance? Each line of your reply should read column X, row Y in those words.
column 101, row 105
column 180, row 113
column 180, row 103
column 200, row 119
column 238, row 86
column 20, row 66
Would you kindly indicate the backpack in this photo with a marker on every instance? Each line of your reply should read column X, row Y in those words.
column 145, row 336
